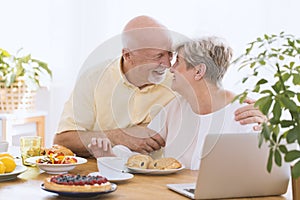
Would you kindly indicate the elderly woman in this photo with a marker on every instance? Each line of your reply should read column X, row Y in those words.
column 203, row 106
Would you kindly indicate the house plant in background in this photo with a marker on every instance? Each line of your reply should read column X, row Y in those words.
column 20, row 77
column 274, row 65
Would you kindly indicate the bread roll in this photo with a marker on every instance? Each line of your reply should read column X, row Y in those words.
column 58, row 149
column 139, row 161
column 165, row 163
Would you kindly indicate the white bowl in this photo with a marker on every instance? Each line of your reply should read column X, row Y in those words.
column 56, row 168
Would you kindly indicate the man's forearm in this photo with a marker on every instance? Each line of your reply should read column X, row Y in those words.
column 137, row 138
column 77, row 141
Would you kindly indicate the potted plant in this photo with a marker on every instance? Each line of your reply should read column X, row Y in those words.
column 274, row 65
column 20, row 77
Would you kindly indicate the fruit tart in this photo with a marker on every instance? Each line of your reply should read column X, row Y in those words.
column 77, row 183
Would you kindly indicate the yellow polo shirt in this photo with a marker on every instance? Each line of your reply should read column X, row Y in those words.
column 103, row 99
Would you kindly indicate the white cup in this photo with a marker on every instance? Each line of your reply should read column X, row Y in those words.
column 3, row 146
column 110, row 166
column 123, row 151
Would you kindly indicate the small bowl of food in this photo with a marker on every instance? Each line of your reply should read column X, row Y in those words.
column 56, row 163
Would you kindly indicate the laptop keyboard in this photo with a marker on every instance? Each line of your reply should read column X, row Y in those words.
column 191, row 190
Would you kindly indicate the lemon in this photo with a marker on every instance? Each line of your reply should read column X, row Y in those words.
column 2, row 168
column 9, row 163
column 5, row 154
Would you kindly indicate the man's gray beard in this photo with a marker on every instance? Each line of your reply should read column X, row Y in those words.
column 156, row 79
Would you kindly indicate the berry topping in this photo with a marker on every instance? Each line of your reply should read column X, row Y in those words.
column 70, row 179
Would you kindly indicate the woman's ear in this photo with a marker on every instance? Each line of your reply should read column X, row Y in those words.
column 199, row 71
column 126, row 54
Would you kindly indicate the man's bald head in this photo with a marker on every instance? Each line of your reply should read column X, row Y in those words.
column 145, row 32
column 142, row 22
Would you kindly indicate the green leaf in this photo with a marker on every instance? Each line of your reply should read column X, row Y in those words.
column 292, row 135
column 277, row 87
column 296, row 170
column 298, row 96
column 260, row 139
column 243, row 96
column 296, row 79
column 43, row 65
column 286, row 76
column 252, row 64
column 270, row 160
column 276, row 132
column 266, row 36
column 292, row 155
column 276, row 111
column 261, row 81
column 265, row 131
column 286, row 123
column 4, row 53
column 262, row 62
column 278, row 158
column 245, row 79
column 256, row 89
column 290, row 93
column 236, row 97
column 291, row 43
column 267, row 92
column 281, row 57
column 264, row 104
column 283, row 149
column 291, row 105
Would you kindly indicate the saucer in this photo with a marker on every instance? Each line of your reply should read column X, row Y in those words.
column 115, row 177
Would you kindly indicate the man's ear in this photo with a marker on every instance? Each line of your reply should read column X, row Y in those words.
column 199, row 71
column 126, row 54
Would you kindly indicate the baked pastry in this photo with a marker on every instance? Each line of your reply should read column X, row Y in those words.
column 165, row 163
column 139, row 161
column 58, row 149
column 77, row 183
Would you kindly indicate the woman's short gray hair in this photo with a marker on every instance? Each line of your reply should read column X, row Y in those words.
column 211, row 51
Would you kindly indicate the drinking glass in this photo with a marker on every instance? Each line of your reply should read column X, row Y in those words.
column 30, row 146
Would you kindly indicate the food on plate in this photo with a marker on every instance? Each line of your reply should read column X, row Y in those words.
column 6, row 154
column 56, row 158
column 165, row 163
column 57, row 149
column 2, row 168
column 146, row 162
column 139, row 161
column 77, row 183
column 9, row 163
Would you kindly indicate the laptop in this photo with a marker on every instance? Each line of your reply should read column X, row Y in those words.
column 232, row 166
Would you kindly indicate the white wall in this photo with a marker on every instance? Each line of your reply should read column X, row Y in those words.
column 64, row 32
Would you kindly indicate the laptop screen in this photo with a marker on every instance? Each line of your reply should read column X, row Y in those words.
column 233, row 165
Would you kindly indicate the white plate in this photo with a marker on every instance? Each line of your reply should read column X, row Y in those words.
column 116, row 177
column 56, row 168
column 12, row 175
column 154, row 171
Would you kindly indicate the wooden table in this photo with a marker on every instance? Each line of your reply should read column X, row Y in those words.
column 27, row 186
